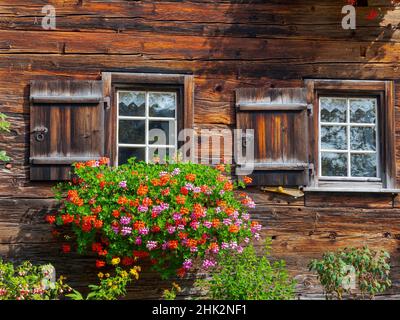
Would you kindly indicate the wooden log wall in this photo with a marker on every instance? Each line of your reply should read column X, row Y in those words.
column 225, row 45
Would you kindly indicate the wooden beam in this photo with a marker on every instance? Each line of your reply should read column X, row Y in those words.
column 60, row 160
column 272, row 106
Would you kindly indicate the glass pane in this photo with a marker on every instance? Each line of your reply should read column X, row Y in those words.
column 132, row 103
column 333, row 137
column 161, row 153
column 333, row 109
column 125, row 153
column 162, row 104
column 162, row 132
column 334, row 164
column 363, row 165
column 132, row 131
column 363, row 138
column 363, row 110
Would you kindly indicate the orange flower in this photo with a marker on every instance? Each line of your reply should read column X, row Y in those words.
column 229, row 211
column 135, row 173
column 122, row 200
column 247, row 180
column 67, row 218
column 134, row 203
column 221, row 203
column 79, row 165
column 98, row 224
column 182, row 235
column 155, row 182
column 142, row 190
column 96, row 209
column 164, row 179
column 102, row 184
column 190, row 177
column 116, row 213
column 100, row 176
column 180, row 199
column 220, row 167
column 139, row 225
column 147, row 202
column 173, row 244
column 233, row 228
column 184, row 210
column 221, row 178
column 50, row 219
column 104, row 161
column 228, row 186
column 215, row 223
column 100, row 264
column 192, row 243
column 165, row 192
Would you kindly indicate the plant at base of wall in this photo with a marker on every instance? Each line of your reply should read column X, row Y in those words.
column 171, row 294
column 4, row 127
column 248, row 276
column 110, row 287
column 352, row 269
column 173, row 213
column 29, row 282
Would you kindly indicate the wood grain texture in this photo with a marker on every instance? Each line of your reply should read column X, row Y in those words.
column 223, row 45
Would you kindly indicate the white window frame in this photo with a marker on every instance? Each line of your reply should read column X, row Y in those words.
column 147, row 119
column 348, row 150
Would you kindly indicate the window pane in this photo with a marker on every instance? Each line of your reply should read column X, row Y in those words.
column 333, row 109
column 161, row 153
column 363, row 110
column 334, row 164
column 132, row 131
column 363, row 165
column 363, row 138
column 334, row 137
column 125, row 153
column 162, row 104
column 132, row 103
column 163, row 132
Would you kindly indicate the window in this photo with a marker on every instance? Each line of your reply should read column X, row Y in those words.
column 147, row 124
column 352, row 137
column 144, row 112
column 348, row 138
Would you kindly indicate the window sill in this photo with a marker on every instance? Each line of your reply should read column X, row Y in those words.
column 350, row 190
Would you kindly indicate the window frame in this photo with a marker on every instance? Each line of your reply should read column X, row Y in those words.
column 183, row 85
column 384, row 92
column 348, row 151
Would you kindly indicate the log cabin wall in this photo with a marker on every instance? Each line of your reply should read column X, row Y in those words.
column 226, row 45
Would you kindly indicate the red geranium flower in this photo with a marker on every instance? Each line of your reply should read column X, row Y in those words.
column 100, row 263
column 66, row 248
column 50, row 219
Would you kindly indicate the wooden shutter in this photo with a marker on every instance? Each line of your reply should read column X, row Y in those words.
column 67, row 126
column 279, row 118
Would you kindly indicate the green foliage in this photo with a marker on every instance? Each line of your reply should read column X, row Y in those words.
column 110, row 287
column 371, row 270
column 171, row 294
column 247, row 276
column 4, row 127
column 29, row 282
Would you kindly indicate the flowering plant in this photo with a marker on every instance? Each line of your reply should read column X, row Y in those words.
column 171, row 213
column 29, row 282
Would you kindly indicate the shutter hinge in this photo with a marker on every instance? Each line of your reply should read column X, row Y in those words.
column 310, row 108
column 107, row 103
